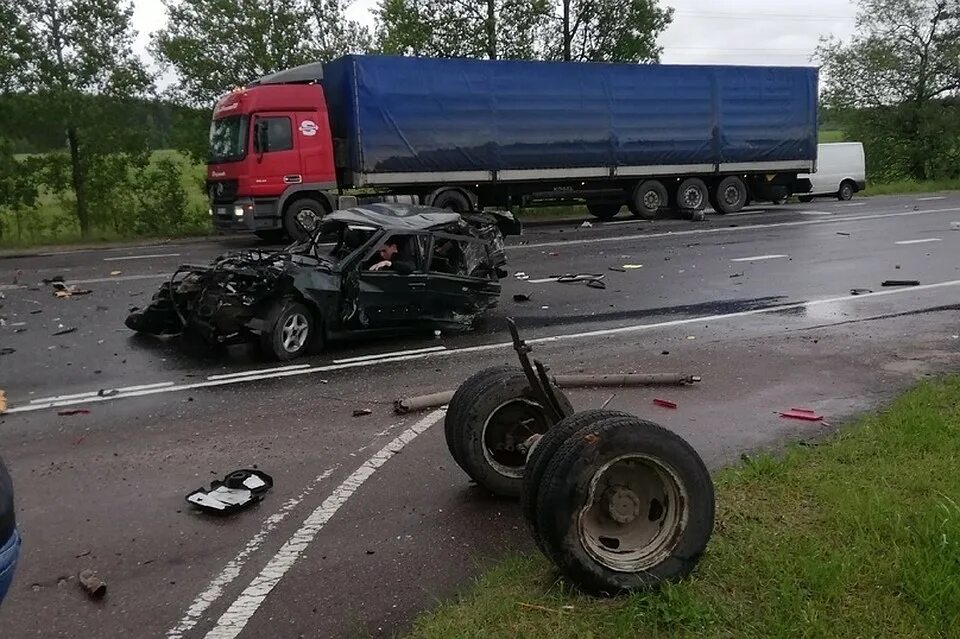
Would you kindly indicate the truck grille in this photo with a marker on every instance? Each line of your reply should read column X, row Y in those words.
column 222, row 191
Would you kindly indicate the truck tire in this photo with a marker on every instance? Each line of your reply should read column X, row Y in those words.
column 730, row 195
column 692, row 195
column 649, row 198
column 624, row 505
column 494, row 415
column 543, row 451
column 452, row 200
column 461, row 402
column 604, row 210
column 301, row 217
column 292, row 330
column 847, row 189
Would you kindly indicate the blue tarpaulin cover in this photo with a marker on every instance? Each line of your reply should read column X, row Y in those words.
column 401, row 114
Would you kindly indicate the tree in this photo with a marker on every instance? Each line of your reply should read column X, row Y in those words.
column 609, row 30
column 895, row 85
column 76, row 65
column 18, row 186
column 216, row 45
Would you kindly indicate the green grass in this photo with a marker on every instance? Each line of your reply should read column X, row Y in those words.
column 832, row 135
column 911, row 186
column 856, row 537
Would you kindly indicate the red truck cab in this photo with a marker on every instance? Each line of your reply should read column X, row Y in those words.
column 271, row 165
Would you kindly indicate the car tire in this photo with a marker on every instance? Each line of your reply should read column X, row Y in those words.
column 729, row 196
column 301, row 217
column 543, row 452
column 291, row 330
column 692, row 195
column 652, row 520
column 649, row 199
column 604, row 210
column 487, row 411
column 847, row 189
column 806, row 199
column 452, row 200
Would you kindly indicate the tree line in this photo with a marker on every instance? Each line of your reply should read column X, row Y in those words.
column 74, row 92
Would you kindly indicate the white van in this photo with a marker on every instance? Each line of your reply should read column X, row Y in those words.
column 841, row 171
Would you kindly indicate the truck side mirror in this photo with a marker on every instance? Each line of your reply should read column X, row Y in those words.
column 259, row 137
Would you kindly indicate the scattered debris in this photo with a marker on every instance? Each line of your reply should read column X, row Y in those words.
column 115, row 273
column 63, row 291
column 554, row 254
column 955, row 226
column 3, row 402
column 736, row 275
column 665, row 403
column 69, row 412
column 897, row 267
column 36, row 311
column 362, row 412
column 544, row 307
column 617, row 269
column 860, row 291
column 844, row 233
column 94, row 586
column 579, row 277
column 607, row 403
column 664, row 352
column 66, row 331
column 520, row 275
column 6, row 350
column 107, row 393
column 691, row 337
column 804, row 414
column 631, row 267
column 437, row 334
column 85, row 553
column 596, row 284
column 901, row 283
column 238, row 490
column 521, row 297
column 586, row 225
column 53, row 280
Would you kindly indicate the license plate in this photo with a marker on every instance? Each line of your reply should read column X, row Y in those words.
column 222, row 210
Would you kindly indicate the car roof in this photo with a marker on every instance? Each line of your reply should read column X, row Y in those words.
column 394, row 216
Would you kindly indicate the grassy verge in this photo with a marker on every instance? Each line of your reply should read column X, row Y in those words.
column 912, row 186
column 856, row 537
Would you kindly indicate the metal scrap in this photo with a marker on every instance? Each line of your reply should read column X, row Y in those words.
column 92, row 584
column 900, row 283
column 238, row 490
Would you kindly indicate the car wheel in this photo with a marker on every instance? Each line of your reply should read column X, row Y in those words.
column 846, row 191
column 649, row 198
column 604, row 210
column 291, row 331
column 302, row 217
column 624, row 505
column 730, row 195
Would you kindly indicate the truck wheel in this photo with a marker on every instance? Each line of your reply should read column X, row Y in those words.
column 604, row 210
column 462, row 399
column 649, row 198
column 453, row 200
column 692, row 195
column 291, row 331
column 730, row 195
column 302, row 217
column 625, row 505
column 806, row 199
column 543, row 452
column 489, row 421
column 847, row 189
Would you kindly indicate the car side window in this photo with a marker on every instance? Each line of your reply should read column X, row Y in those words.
column 452, row 255
column 405, row 253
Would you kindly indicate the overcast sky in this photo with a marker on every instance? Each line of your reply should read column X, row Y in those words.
column 703, row 31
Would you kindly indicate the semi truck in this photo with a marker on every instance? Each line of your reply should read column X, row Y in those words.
column 465, row 135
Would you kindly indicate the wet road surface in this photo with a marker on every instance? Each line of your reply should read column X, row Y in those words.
column 370, row 521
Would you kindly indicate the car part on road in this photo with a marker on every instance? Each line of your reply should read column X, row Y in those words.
column 237, row 491
column 860, row 291
column 665, row 403
column 521, row 297
column 900, row 283
column 92, row 584
column 6, row 350
column 804, row 414
column 362, row 412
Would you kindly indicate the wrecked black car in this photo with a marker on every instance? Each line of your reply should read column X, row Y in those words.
column 391, row 266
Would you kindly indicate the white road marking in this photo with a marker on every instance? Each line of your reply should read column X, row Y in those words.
column 232, row 570
column 932, row 198
column 923, row 241
column 758, row 258
column 140, row 257
column 259, row 371
column 126, row 389
column 379, row 356
column 849, row 204
column 94, row 280
column 816, row 213
column 233, row 621
column 633, row 328
column 635, row 221
column 729, row 229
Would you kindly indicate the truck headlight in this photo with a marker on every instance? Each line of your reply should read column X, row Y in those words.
column 210, row 211
column 238, row 211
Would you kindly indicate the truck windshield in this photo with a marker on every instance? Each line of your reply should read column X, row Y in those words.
column 228, row 139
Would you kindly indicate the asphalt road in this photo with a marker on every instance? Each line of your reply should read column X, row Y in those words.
column 370, row 521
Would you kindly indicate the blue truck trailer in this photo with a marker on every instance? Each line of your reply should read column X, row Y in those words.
column 463, row 134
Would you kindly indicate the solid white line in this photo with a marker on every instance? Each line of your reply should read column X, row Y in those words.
column 140, row 257
column 232, row 570
column 923, row 241
column 380, row 356
column 633, row 328
column 758, row 258
column 816, row 213
column 730, row 229
column 637, row 221
column 121, row 278
column 233, row 621
column 849, row 204
column 260, row 371
column 931, row 199
column 126, row 389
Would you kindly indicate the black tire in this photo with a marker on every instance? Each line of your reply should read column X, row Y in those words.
column 649, row 198
column 301, row 217
column 452, row 200
column 482, row 403
column 272, row 236
column 543, row 452
column 692, row 195
column 729, row 196
column 806, row 199
column 159, row 317
column 291, row 330
column 847, row 189
column 673, row 534
column 604, row 210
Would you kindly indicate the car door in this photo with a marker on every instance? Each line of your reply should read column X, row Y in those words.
column 387, row 298
column 461, row 278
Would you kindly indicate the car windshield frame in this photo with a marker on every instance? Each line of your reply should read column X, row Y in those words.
column 229, row 134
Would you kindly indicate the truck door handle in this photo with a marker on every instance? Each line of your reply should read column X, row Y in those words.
column 293, row 179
